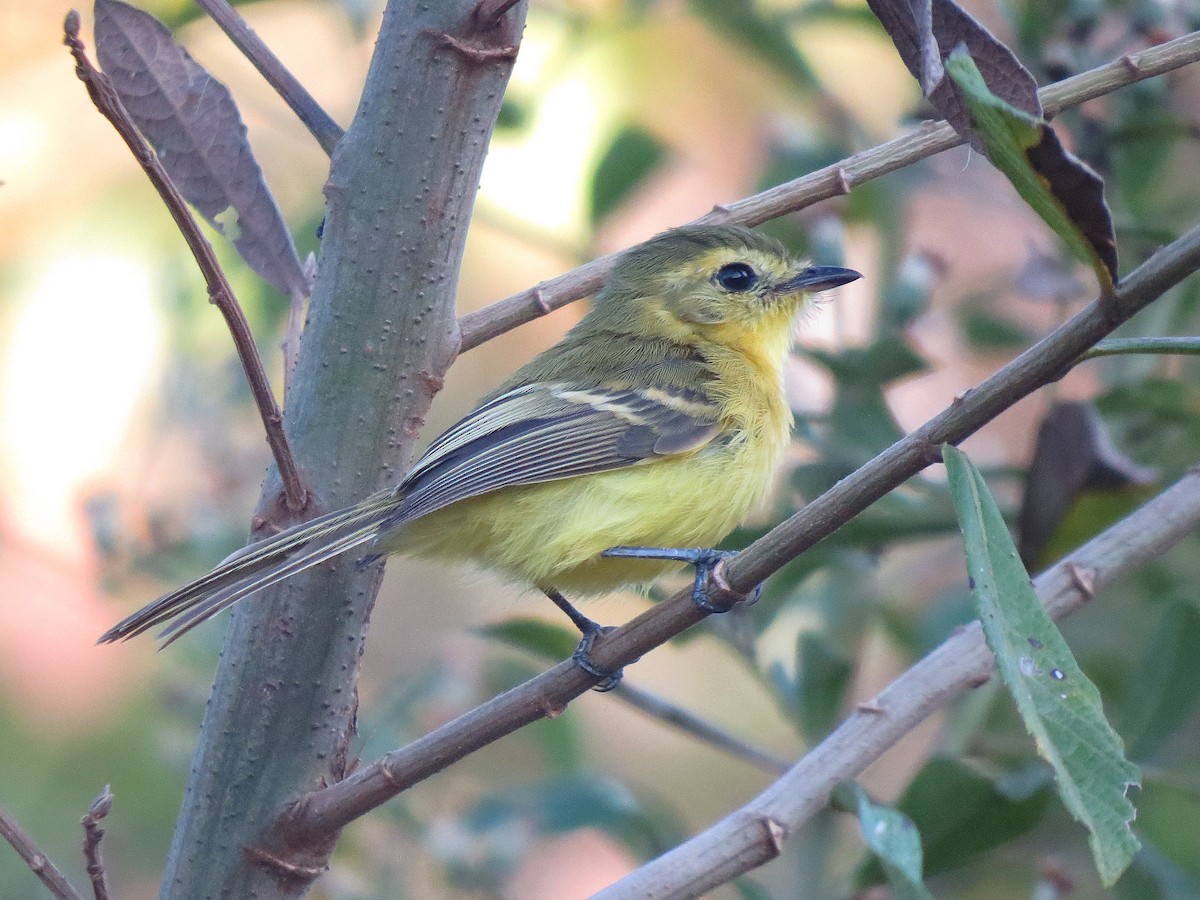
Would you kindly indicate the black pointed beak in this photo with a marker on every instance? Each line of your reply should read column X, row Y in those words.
column 817, row 278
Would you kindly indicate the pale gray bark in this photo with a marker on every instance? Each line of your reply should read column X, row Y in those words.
column 381, row 333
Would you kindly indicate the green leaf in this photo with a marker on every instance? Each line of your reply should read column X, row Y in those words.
column 822, row 675
column 751, row 890
column 1077, row 485
column 985, row 330
column 582, row 800
column 1061, row 189
column 893, row 839
column 1167, row 816
column 1155, row 876
column 962, row 813
column 536, row 636
column 860, row 424
column 1060, row 707
column 1164, row 689
column 632, row 155
column 743, row 22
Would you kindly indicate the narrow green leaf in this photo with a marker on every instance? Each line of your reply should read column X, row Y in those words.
column 536, row 636
column 631, row 156
column 822, row 675
column 892, row 837
column 744, row 22
column 962, row 813
column 1067, row 194
column 1164, row 689
column 987, row 331
column 1169, row 809
column 1061, row 708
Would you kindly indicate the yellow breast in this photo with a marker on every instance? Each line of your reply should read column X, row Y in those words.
column 551, row 534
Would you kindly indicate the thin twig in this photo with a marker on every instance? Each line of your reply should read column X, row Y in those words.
column 92, row 835
column 318, row 122
column 1179, row 346
column 322, row 813
column 37, row 861
column 701, row 729
column 105, row 98
column 833, row 181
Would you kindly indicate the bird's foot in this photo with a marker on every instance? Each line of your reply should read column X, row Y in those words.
column 710, row 591
column 609, row 678
column 582, row 657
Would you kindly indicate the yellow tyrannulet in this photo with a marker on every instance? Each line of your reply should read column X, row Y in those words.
column 656, row 422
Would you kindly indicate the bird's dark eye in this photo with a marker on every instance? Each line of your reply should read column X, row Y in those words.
column 736, row 277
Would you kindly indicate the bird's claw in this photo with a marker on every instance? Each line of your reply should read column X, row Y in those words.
column 710, row 591
column 609, row 678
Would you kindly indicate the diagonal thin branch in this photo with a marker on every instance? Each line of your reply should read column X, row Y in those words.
column 318, row 122
column 928, row 139
column 753, row 834
column 322, row 813
column 37, row 861
column 105, row 99
column 699, row 728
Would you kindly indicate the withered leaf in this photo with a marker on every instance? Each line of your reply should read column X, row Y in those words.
column 193, row 124
column 1074, row 455
column 1080, row 190
column 1064, row 191
column 926, row 31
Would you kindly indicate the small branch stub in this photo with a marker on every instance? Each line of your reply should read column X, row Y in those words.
column 92, row 834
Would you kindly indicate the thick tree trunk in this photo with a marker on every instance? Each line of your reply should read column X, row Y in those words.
column 380, row 335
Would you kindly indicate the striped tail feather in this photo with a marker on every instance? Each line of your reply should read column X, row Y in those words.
column 258, row 566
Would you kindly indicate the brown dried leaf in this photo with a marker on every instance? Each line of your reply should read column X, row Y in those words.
column 193, row 124
column 1080, row 191
column 1073, row 455
column 1062, row 189
column 925, row 31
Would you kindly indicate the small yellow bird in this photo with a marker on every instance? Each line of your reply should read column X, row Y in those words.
column 655, row 423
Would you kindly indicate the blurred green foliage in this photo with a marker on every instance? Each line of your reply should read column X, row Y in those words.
column 860, row 606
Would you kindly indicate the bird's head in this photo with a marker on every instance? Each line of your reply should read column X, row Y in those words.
column 724, row 283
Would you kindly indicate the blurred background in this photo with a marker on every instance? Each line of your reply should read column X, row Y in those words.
column 131, row 457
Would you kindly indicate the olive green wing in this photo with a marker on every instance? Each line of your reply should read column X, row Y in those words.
column 544, row 432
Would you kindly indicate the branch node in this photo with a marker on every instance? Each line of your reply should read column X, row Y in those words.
column 540, row 302
column 289, row 870
column 550, row 709
column 432, row 382
column 35, row 860
column 1131, row 64
column 871, row 707
column 776, row 833
column 929, row 453
column 980, row 680
column 475, row 52
column 841, row 180
column 1084, row 581
column 720, row 593
column 387, row 775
